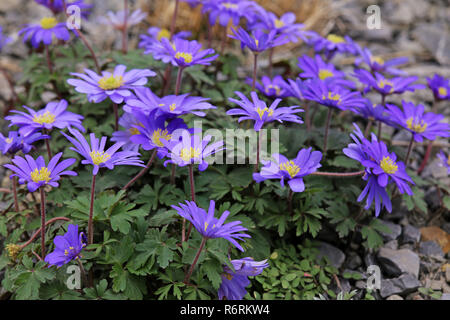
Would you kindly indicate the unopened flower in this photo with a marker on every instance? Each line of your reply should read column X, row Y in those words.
column 37, row 174
column 209, row 226
column 67, row 247
column 117, row 85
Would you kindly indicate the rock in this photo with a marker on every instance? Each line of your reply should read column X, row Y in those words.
column 360, row 284
column 393, row 244
column 447, row 274
column 394, row 297
column 430, row 248
column 446, row 227
column 396, row 262
column 353, row 261
column 438, row 235
column 410, row 234
column 402, row 285
column 434, row 284
column 335, row 255
column 436, row 39
column 432, row 199
column 396, row 230
column 445, row 296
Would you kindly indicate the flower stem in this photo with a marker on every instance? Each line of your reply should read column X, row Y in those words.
column 179, row 77
column 191, row 269
column 408, row 153
column 83, row 272
column 142, row 172
column 38, row 232
column 379, row 130
column 255, row 66
column 327, row 126
column 307, row 119
column 49, row 60
column 116, row 116
column 16, row 201
column 41, row 189
column 368, row 127
column 291, row 195
column 91, row 213
column 338, row 174
column 174, row 18
column 192, row 184
column 125, row 29
column 47, row 144
column 426, row 157
column 258, row 151
column 172, row 174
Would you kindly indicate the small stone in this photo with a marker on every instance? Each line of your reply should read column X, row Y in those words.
column 393, row 244
column 410, row 234
column 353, row 261
column 335, row 255
column 360, row 284
column 445, row 296
column 402, row 285
column 396, row 230
column 430, row 248
column 433, row 284
column 394, row 297
column 447, row 274
column 396, row 262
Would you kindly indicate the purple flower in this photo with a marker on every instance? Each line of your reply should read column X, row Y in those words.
column 273, row 88
column 258, row 111
column 16, row 142
column 117, row 85
column 386, row 86
column 94, row 154
column 293, row 171
column 4, row 40
column 224, row 10
column 373, row 112
column 332, row 44
column 259, row 40
column 296, row 88
column 54, row 115
column 67, row 247
column 37, row 174
column 445, row 161
column 186, row 149
column 129, row 123
column 317, row 68
column 57, row 6
column 234, row 282
column 440, row 87
column 117, row 19
column 377, row 64
column 171, row 106
column 332, row 96
column 209, row 226
column 44, row 32
column 152, row 131
column 186, row 53
column 420, row 124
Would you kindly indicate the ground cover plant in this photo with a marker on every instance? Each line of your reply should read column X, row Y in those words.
column 171, row 170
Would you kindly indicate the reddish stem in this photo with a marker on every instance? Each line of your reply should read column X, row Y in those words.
column 255, row 66
column 38, row 232
column 125, row 29
column 338, row 174
column 16, row 201
column 174, row 18
column 142, row 172
column 42, row 221
column 192, row 184
column 91, row 213
column 191, row 269
column 116, row 116
column 327, row 126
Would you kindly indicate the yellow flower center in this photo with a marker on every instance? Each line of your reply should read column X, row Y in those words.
column 275, row 87
column 99, row 157
column 40, row 175
column 111, row 82
column 187, row 154
column 163, row 33
column 207, row 224
column 262, row 111
column 48, row 23
column 335, row 38
column 134, row 131
column 333, row 96
column 228, row 276
column 279, row 23
column 160, row 134
column 417, row 127
column 383, row 82
column 388, row 165
column 8, row 140
column 172, row 106
column 187, row 57
column 378, row 60
column 442, row 91
column 257, row 42
column 66, row 252
column 47, row 117
column 290, row 167
column 230, row 5
column 324, row 73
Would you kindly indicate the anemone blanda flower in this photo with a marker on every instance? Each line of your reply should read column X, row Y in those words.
column 155, row 34
column 171, row 105
column 152, row 130
column 440, row 87
column 258, row 111
column 67, row 247
column 37, row 174
column 378, row 64
column 445, row 160
column 185, row 149
column 381, row 167
column 224, row 10
column 96, row 155
column 293, row 170
column 317, row 68
column 4, row 40
column 45, row 31
column 333, row 44
column 128, row 122
column 57, row 6
column 117, row 19
column 234, row 282
column 296, row 87
column 422, row 125
column 258, row 40
column 209, row 226
column 186, row 53
column 117, row 85
column 16, row 142
column 373, row 112
column 273, row 88
column 386, row 86
column 54, row 115
column 332, row 95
